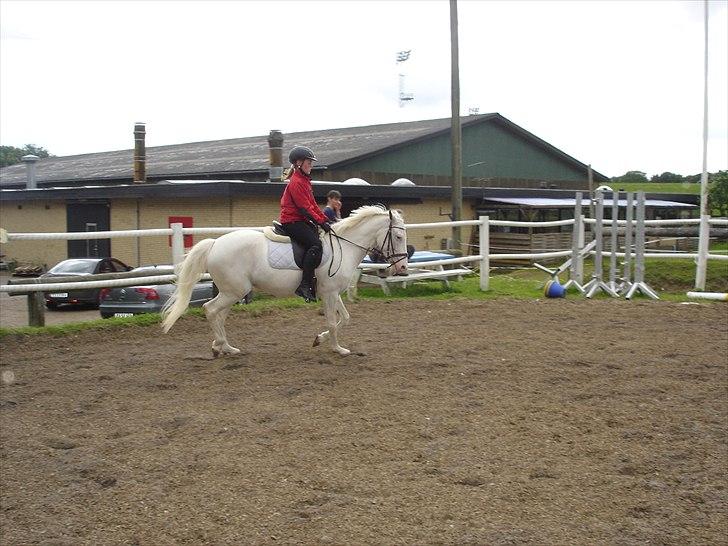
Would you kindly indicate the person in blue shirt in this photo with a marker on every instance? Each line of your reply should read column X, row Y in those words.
column 332, row 210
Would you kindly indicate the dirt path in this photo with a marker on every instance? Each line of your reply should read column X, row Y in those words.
column 543, row 422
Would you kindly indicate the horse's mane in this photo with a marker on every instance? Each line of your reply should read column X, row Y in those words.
column 359, row 215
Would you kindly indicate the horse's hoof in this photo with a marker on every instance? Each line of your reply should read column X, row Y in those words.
column 316, row 341
column 343, row 352
column 215, row 353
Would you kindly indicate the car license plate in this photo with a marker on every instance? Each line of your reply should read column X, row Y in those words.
column 123, row 314
column 60, row 295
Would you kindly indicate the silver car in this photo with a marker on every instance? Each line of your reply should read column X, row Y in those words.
column 148, row 298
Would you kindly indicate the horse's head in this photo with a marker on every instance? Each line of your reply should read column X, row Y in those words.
column 381, row 230
column 394, row 242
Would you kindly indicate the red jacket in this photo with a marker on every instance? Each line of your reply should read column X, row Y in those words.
column 298, row 195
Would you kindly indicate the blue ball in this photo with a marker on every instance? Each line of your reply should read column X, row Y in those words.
column 554, row 290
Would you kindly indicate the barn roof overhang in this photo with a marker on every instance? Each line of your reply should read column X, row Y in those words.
column 239, row 188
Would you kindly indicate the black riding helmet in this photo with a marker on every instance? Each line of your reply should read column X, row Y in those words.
column 300, row 152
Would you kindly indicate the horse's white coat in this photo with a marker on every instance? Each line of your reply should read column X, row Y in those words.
column 238, row 263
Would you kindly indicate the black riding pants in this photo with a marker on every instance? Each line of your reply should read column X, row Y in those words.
column 307, row 235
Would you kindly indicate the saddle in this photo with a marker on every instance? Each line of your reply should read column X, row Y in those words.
column 278, row 254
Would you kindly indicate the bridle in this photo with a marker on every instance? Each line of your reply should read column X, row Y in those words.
column 386, row 246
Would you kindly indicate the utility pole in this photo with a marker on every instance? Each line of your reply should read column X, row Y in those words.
column 704, row 233
column 456, row 130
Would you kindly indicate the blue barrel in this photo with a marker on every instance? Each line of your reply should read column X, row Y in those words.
column 554, row 290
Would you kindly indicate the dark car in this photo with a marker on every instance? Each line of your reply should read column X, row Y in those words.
column 148, row 298
column 80, row 267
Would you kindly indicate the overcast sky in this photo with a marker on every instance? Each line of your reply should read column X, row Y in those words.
column 618, row 84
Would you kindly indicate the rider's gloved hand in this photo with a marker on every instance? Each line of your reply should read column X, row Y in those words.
column 326, row 226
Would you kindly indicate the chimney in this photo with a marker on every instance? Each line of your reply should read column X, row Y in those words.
column 275, row 144
column 140, row 154
column 30, row 161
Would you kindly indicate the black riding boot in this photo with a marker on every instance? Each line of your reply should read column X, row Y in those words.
column 306, row 288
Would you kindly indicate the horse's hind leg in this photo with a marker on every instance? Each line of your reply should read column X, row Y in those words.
column 343, row 313
column 217, row 310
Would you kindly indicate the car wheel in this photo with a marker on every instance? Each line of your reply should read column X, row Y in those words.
column 51, row 305
column 106, row 315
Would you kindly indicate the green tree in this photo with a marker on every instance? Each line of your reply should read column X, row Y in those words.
column 10, row 155
column 718, row 193
column 667, row 177
column 693, row 178
column 631, row 176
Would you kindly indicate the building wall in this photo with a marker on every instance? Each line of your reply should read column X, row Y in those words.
column 34, row 217
column 223, row 212
column 488, row 149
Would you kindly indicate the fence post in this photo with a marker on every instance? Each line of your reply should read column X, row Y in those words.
column 36, row 309
column 178, row 245
column 484, row 236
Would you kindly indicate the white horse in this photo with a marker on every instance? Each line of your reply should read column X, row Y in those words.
column 238, row 263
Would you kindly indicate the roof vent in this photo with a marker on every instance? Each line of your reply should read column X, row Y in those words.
column 356, row 182
column 403, row 182
column 30, row 161
column 140, row 153
column 275, row 147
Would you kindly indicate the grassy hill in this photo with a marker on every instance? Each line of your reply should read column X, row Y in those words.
column 659, row 187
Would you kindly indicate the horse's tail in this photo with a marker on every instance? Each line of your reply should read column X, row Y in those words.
column 190, row 271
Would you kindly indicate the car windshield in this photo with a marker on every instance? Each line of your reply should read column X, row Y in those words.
column 74, row 266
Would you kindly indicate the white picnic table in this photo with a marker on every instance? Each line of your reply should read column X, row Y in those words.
column 367, row 272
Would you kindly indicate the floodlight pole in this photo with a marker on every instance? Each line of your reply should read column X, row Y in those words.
column 704, row 235
column 456, row 130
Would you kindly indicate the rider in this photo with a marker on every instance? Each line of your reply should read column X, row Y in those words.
column 300, row 215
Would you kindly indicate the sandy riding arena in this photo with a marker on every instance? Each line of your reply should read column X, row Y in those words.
column 453, row 422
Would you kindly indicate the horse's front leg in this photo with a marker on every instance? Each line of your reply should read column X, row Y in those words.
column 331, row 306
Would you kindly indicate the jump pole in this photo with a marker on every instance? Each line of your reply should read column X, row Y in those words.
column 639, row 268
column 628, row 216
column 596, row 283
column 719, row 296
column 577, row 239
column 613, row 255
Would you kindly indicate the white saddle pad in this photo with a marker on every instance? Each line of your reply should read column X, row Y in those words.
column 280, row 256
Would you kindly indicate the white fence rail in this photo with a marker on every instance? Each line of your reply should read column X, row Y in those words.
column 176, row 231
